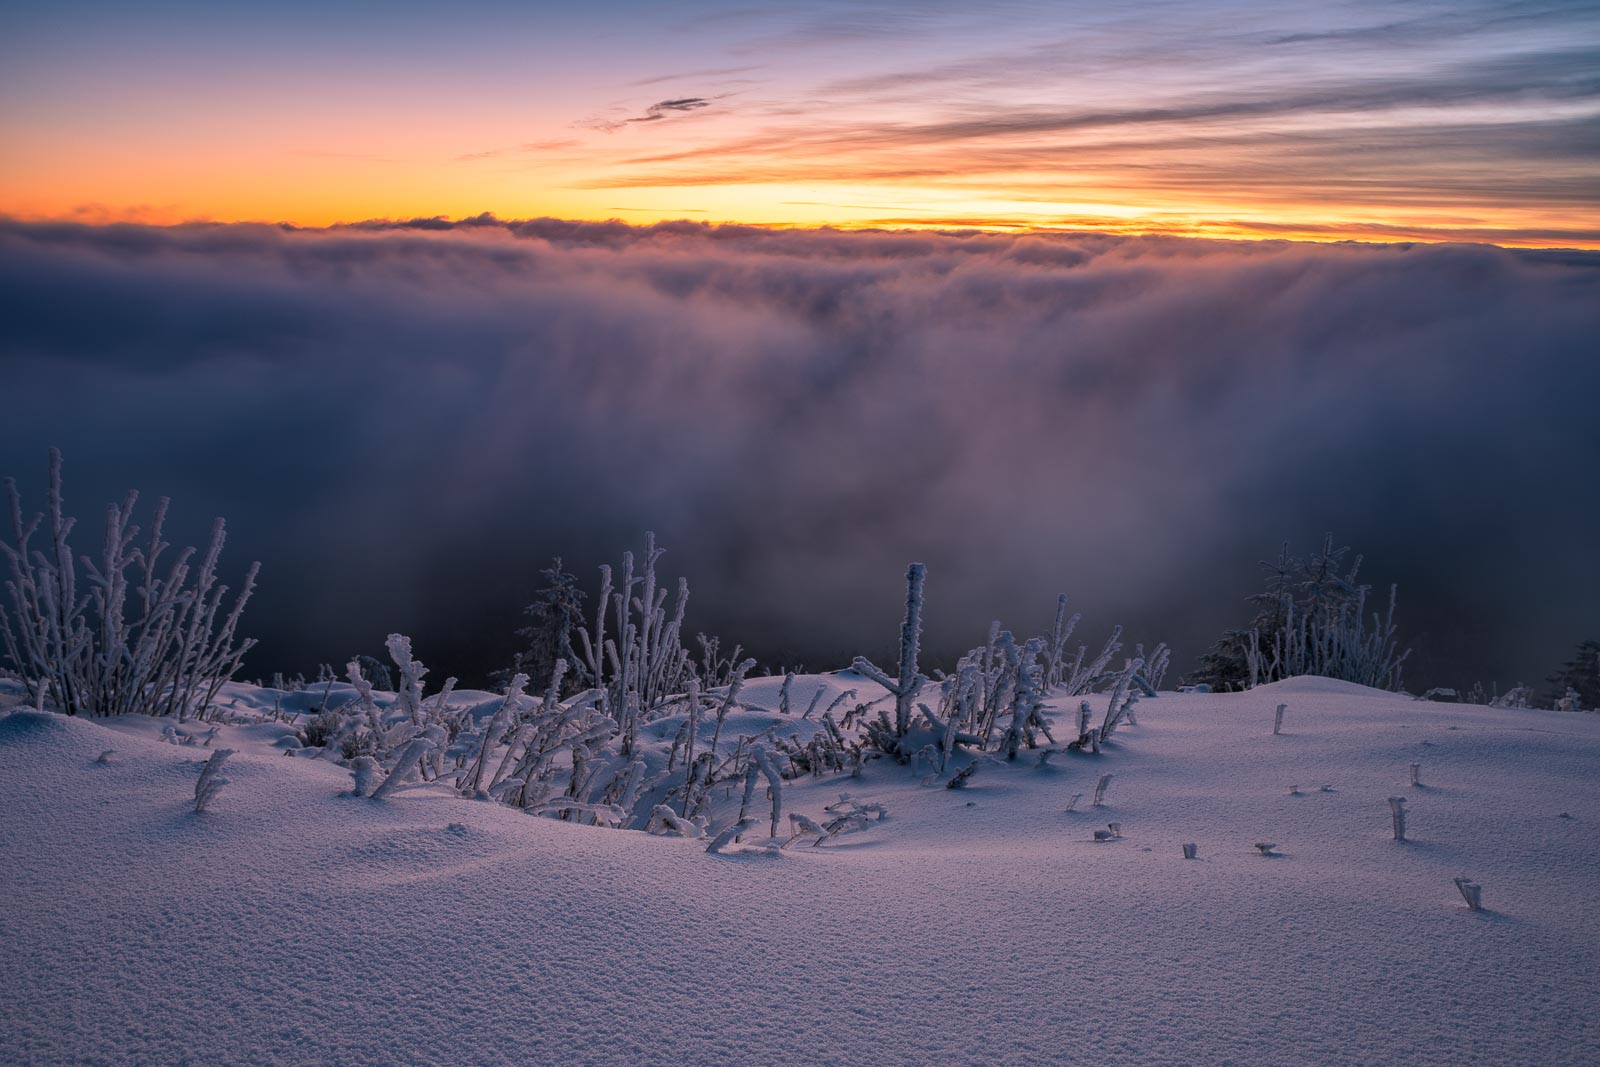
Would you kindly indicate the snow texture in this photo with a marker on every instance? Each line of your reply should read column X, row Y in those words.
column 290, row 923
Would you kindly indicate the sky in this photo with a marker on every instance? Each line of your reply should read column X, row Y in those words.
column 1459, row 120
column 1107, row 300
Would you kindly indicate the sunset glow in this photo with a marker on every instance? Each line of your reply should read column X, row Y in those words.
column 1430, row 121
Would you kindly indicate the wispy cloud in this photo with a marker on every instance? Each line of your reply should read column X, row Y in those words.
column 529, row 148
column 706, row 74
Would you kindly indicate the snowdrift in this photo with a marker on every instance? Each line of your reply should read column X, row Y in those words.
column 292, row 922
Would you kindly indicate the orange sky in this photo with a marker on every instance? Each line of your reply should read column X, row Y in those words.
column 1453, row 123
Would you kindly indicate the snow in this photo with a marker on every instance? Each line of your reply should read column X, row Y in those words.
column 293, row 922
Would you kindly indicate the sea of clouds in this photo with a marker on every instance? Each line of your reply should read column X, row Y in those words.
column 404, row 421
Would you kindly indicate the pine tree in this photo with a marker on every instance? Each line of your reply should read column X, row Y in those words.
column 1581, row 673
column 1309, row 618
column 556, row 609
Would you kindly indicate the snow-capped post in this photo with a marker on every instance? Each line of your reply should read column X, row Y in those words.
column 1072, row 803
column 1416, row 774
column 1277, row 719
column 785, row 694
column 211, row 781
column 1471, row 892
column 1397, row 808
column 363, row 769
column 909, row 683
column 1191, row 851
column 1085, row 712
column 1100, row 789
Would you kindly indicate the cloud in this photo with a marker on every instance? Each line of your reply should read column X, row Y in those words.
column 659, row 111
column 654, row 113
column 404, row 420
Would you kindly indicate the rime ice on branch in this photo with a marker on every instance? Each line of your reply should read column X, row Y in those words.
column 142, row 637
column 909, row 683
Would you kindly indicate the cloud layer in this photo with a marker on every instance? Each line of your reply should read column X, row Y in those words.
column 404, row 421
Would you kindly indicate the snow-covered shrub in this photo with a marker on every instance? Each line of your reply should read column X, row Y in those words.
column 726, row 837
column 995, row 699
column 211, row 781
column 643, row 664
column 960, row 779
column 140, row 632
column 1310, row 619
column 1520, row 696
column 663, row 819
column 1122, row 700
column 717, row 670
column 410, row 760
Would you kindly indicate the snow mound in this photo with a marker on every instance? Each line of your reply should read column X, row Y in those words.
column 26, row 727
column 1312, row 684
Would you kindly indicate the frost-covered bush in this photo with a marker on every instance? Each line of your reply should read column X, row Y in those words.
column 1311, row 618
column 644, row 739
column 132, row 629
column 643, row 663
column 995, row 699
column 1520, row 696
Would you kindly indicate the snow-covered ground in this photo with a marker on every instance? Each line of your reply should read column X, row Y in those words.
column 289, row 923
